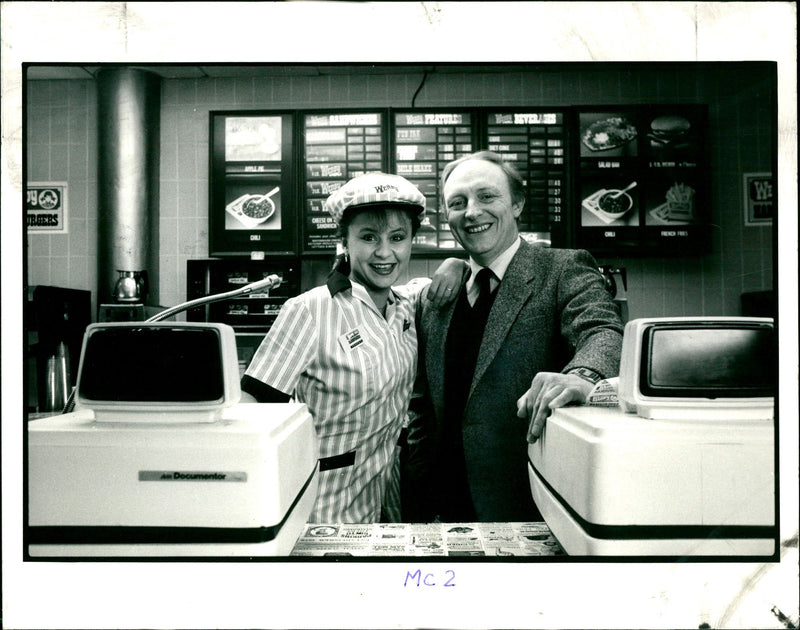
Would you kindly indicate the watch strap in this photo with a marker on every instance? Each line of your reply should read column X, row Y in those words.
column 587, row 374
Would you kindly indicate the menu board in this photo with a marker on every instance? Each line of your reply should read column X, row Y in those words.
column 251, row 184
column 535, row 142
column 337, row 146
column 424, row 142
column 641, row 179
column 612, row 179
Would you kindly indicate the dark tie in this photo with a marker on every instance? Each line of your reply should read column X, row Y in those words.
column 485, row 299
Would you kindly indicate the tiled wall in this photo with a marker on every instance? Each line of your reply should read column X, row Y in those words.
column 62, row 138
column 62, row 147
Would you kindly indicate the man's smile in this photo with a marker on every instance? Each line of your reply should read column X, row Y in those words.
column 476, row 229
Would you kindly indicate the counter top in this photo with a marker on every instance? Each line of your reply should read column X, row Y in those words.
column 427, row 539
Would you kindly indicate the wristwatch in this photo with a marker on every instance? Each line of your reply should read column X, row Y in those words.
column 586, row 374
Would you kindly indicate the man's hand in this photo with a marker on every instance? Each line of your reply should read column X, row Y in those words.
column 446, row 281
column 548, row 391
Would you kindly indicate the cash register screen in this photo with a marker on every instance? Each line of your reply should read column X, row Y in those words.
column 153, row 364
column 712, row 360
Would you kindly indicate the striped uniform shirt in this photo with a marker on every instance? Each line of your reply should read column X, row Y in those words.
column 333, row 350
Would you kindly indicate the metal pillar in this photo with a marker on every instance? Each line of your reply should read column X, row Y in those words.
column 129, row 102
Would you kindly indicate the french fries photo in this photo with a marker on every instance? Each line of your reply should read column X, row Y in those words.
column 680, row 202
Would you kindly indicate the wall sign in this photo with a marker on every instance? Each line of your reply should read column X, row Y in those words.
column 251, row 192
column 535, row 141
column 759, row 198
column 641, row 180
column 612, row 179
column 425, row 141
column 46, row 207
column 336, row 146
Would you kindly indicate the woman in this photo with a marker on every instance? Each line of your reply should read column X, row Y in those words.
column 349, row 349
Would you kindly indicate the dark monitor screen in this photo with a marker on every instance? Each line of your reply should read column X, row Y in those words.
column 153, row 364
column 709, row 360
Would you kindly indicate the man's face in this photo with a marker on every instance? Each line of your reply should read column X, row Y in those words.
column 479, row 209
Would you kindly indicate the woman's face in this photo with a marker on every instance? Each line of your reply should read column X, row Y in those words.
column 379, row 244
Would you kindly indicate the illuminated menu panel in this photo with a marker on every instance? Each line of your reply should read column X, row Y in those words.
column 252, row 185
column 336, row 148
column 424, row 143
column 536, row 143
column 641, row 179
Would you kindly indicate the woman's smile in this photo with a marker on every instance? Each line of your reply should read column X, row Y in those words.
column 383, row 269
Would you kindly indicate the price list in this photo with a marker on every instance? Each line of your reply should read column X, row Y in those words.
column 424, row 143
column 536, row 143
column 337, row 147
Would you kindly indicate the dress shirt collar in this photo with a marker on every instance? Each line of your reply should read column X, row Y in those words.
column 498, row 266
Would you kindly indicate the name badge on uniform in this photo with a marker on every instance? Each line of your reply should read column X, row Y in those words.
column 351, row 339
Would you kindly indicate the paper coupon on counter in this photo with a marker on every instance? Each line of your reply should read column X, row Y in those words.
column 605, row 393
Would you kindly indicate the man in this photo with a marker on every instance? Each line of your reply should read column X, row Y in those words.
column 488, row 382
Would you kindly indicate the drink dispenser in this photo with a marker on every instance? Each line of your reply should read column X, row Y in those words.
column 58, row 381
column 59, row 317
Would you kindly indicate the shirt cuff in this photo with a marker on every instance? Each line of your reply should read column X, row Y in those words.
column 261, row 391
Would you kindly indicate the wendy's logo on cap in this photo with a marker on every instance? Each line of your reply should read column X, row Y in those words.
column 374, row 189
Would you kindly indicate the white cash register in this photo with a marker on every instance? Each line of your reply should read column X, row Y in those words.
column 159, row 457
column 685, row 464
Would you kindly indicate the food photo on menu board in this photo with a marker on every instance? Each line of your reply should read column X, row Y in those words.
column 672, row 136
column 607, row 134
column 673, row 152
column 609, row 185
column 253, row 143
column 671, row 201
column 255, row 210
column 610, row 198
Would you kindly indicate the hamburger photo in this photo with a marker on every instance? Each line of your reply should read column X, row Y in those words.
column 669, row 131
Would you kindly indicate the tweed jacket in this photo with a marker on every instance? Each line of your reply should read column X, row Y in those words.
column 551, row 313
